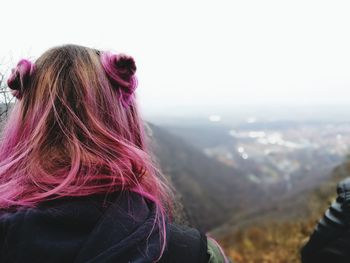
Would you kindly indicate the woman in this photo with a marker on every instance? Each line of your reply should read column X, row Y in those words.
column 77, row 183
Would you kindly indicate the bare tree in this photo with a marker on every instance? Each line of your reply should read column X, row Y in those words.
column 6, row 98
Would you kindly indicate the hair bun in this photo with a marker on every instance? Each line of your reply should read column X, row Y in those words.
column 20, row 77
column 125, row 65
column 120, row 70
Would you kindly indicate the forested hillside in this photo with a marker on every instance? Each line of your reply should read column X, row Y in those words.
column 279, row 239
column 209, row 190
column 252, row 226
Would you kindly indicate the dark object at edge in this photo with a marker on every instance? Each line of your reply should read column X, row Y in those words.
column 330, row 241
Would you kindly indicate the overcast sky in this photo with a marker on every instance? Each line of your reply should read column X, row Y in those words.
column 201, row 52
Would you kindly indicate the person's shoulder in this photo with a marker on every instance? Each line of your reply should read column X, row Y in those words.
column 186, row 244
column 330, row 240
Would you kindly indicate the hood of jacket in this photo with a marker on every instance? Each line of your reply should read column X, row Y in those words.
column 100, row 228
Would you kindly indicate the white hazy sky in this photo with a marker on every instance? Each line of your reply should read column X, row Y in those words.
column 201, row 52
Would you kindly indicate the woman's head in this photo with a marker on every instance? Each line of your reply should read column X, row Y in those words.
column 75, row 130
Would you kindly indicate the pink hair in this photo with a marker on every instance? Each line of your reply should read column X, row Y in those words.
column 70, row 134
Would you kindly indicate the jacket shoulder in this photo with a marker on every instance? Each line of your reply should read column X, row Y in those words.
column 330, row 241
column 185, row 244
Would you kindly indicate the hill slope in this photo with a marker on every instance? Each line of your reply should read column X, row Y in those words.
column 279, row 239
column 210, row 191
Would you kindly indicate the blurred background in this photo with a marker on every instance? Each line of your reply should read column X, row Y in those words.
column 247, row 102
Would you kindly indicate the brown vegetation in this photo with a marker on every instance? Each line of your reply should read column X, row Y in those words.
column 279, row 241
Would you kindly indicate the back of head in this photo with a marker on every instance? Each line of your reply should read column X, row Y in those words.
column 75, row 130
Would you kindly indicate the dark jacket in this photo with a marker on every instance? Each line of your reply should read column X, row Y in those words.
column 99, row 228
column 330, row 241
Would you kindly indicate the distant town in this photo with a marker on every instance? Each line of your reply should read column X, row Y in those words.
column 273, row 155
column 290, row 150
